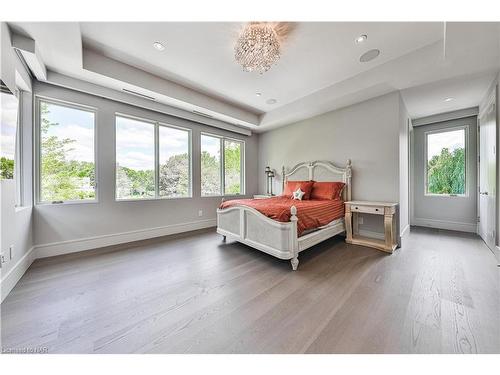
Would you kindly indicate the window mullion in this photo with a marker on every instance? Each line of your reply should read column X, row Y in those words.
column 157, row 160
column 242, row 168
column 223, row 167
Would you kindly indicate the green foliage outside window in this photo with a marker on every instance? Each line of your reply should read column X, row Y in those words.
column 6, row 168
column 232, row 167
column 210, row 174
column 134, row 184
column 174, row 176
column 446, row 172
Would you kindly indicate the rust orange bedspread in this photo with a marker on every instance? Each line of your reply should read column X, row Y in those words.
column 311, row 213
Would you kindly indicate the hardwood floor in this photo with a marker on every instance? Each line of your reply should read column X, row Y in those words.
column 192, row 293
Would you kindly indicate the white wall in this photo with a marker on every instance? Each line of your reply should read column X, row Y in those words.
column 16, row 224
column 405, row 129
column 80, row 224
column 457, row 213
column 368, row 133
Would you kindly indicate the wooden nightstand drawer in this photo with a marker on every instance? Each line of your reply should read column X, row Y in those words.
column 368, row 209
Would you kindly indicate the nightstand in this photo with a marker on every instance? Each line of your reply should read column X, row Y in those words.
column 262, row 196
column 387, row 209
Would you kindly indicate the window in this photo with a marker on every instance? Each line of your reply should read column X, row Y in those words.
column 9, row 132
column 153, row 160
column 67, row 170
column 232, row 167
column 211, row 171
column 221, row 166
column 18, row 154
column 446, row 161
column 175, row 164
column 135, row 159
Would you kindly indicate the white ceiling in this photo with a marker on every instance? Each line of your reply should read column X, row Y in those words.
column 465, row 92
column 200, row 55
column 319, row 69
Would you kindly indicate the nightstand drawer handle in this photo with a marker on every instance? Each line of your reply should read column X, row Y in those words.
column 376, row 209
column 356, row 208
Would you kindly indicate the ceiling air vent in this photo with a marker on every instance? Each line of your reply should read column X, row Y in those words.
column 202, row 114
column 138, row 94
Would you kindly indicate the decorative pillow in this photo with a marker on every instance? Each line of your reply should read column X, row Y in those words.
column 327, row 190
column 298, row 194
column 305, row 186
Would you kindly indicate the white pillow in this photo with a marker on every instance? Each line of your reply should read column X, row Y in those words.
column 298, row 194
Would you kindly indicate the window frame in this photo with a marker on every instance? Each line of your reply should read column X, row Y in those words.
column 222, row 166
column 156, row 125
column 466, row 129
column 37, row 150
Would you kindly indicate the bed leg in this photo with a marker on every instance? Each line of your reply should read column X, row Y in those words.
column 294, row 238
column 223, row 238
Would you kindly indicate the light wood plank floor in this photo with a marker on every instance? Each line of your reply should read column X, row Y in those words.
column 192, row 293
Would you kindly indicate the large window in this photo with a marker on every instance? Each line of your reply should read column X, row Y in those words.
column 446, row 161
column 67, row 169
column 153, row 160
column 222, row 163
column 8, row 130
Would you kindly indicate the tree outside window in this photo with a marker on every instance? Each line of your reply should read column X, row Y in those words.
column 221, row 175
column 8, row 129
column 446, row 158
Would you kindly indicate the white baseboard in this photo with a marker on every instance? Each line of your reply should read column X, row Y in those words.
column 443, row 224
column 370, row 234
column 89, row 243
column 405, row 230
column 10, row 279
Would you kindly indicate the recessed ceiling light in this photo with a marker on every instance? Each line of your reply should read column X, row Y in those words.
column 449, row 99
column 361, row 38
column 258, row 93
column 159, row 46
column 271, row 101
column 369, row 55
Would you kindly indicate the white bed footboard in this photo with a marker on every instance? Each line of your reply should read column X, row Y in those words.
column 249, row 226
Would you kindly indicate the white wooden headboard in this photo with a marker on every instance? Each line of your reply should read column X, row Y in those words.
column 321, row 171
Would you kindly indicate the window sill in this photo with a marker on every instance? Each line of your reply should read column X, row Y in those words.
column 446, row 195
column 22, row 208
column 224, row 196
column 150, row 199
column 50, row 204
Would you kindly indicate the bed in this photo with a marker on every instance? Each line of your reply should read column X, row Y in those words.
column 241, row 222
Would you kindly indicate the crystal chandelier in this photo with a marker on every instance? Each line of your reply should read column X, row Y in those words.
column 257, row 47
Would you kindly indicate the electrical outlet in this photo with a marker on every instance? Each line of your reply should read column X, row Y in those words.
column 200, row 213
column 2, row 258
column 11, row 251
